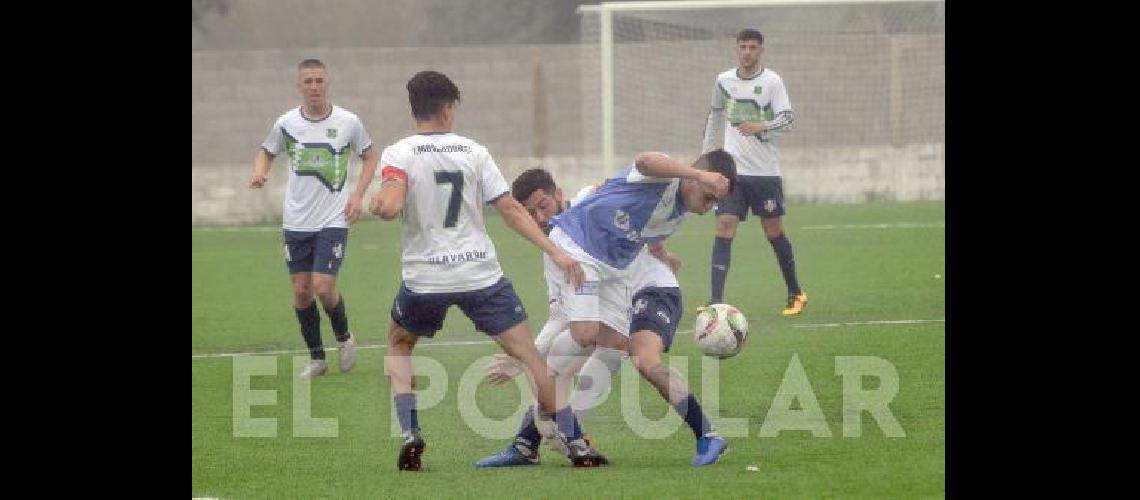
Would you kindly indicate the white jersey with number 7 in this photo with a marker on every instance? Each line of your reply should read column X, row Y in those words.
column 445, row 243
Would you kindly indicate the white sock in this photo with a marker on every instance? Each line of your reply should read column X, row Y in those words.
column 565, row 353
column 550, row 330
column 595, row 379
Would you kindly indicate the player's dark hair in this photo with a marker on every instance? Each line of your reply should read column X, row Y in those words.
column 750, row 34
column 719, row 161
column 310, row 63
column 428, row 91
column 530, row 181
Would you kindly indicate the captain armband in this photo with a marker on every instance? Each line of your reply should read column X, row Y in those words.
column 390, row 173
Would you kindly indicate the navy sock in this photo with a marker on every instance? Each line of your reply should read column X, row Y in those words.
column 787, row 260
column 339, row 320
column 567, row 423
column 310, row 319
column 721, row 258
column 528, row 432
column 406, row 411
column 694, row 416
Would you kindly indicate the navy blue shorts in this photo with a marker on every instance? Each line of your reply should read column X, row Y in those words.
column 315, row 251
column 494, row 309
column 657, row 309
column 763, row 194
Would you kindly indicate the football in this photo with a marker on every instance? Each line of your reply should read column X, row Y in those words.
column 720, row 331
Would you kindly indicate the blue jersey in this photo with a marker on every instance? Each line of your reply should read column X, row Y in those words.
column 625, row 213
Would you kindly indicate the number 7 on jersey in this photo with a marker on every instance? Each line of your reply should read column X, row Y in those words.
column 455, row 178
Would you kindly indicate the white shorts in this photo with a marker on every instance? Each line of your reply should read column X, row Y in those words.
column 606, row 294
column 556, row 322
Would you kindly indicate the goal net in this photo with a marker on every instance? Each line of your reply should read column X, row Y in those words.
column 866, row 81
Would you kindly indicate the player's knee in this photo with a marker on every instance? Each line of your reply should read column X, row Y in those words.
column 326, row 290
column 645, row 360
column 726, row 228
column 303, row 287
column 772, row 228
column 302, row 295
column 400, row 339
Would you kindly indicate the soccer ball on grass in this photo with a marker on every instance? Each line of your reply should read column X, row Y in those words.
column 720, row 330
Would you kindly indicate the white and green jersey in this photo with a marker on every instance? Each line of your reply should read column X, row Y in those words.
column 320, row 154
column 445, row 243
column 761, row 98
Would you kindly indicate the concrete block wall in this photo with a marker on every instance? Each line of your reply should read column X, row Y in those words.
column 527, row 103
column 237, row 95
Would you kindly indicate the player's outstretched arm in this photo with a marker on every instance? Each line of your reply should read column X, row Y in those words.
column 516, row 216
column 659, row 165
column 367, row 171
column 261, row 164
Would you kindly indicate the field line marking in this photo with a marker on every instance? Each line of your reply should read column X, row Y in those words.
column 877, row 322
column 889, row 225
column 484, row 342
column 229, row 229
column 333, row 349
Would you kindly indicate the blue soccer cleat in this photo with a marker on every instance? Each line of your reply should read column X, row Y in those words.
column 512, row 456
column 709, row 450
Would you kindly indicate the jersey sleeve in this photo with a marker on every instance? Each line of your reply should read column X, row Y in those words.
column 393, row 164
column 784, row 117
column 491, row 180
column 274, row 143
column 714, row 123
column 361, row 142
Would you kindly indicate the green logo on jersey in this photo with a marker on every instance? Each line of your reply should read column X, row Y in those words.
column 746, row 110
column 757, row 90
column 331, row 133
column 740, row 111
column 320, row 160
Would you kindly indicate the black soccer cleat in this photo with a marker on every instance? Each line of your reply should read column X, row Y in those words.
column 581, row 454
column 410, row 452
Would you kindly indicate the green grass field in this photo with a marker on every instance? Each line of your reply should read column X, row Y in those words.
column 866, row 268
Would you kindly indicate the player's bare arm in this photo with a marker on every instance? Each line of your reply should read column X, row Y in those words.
column 261, row 164
column 659, row 165
column 516, row 216
column 389, row 202
column 367, row 171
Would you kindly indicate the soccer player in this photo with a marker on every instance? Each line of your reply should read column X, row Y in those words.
column 607, row 233
column 320, row 139
column 536, row 190
column 753, row 100
column 440, row 181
